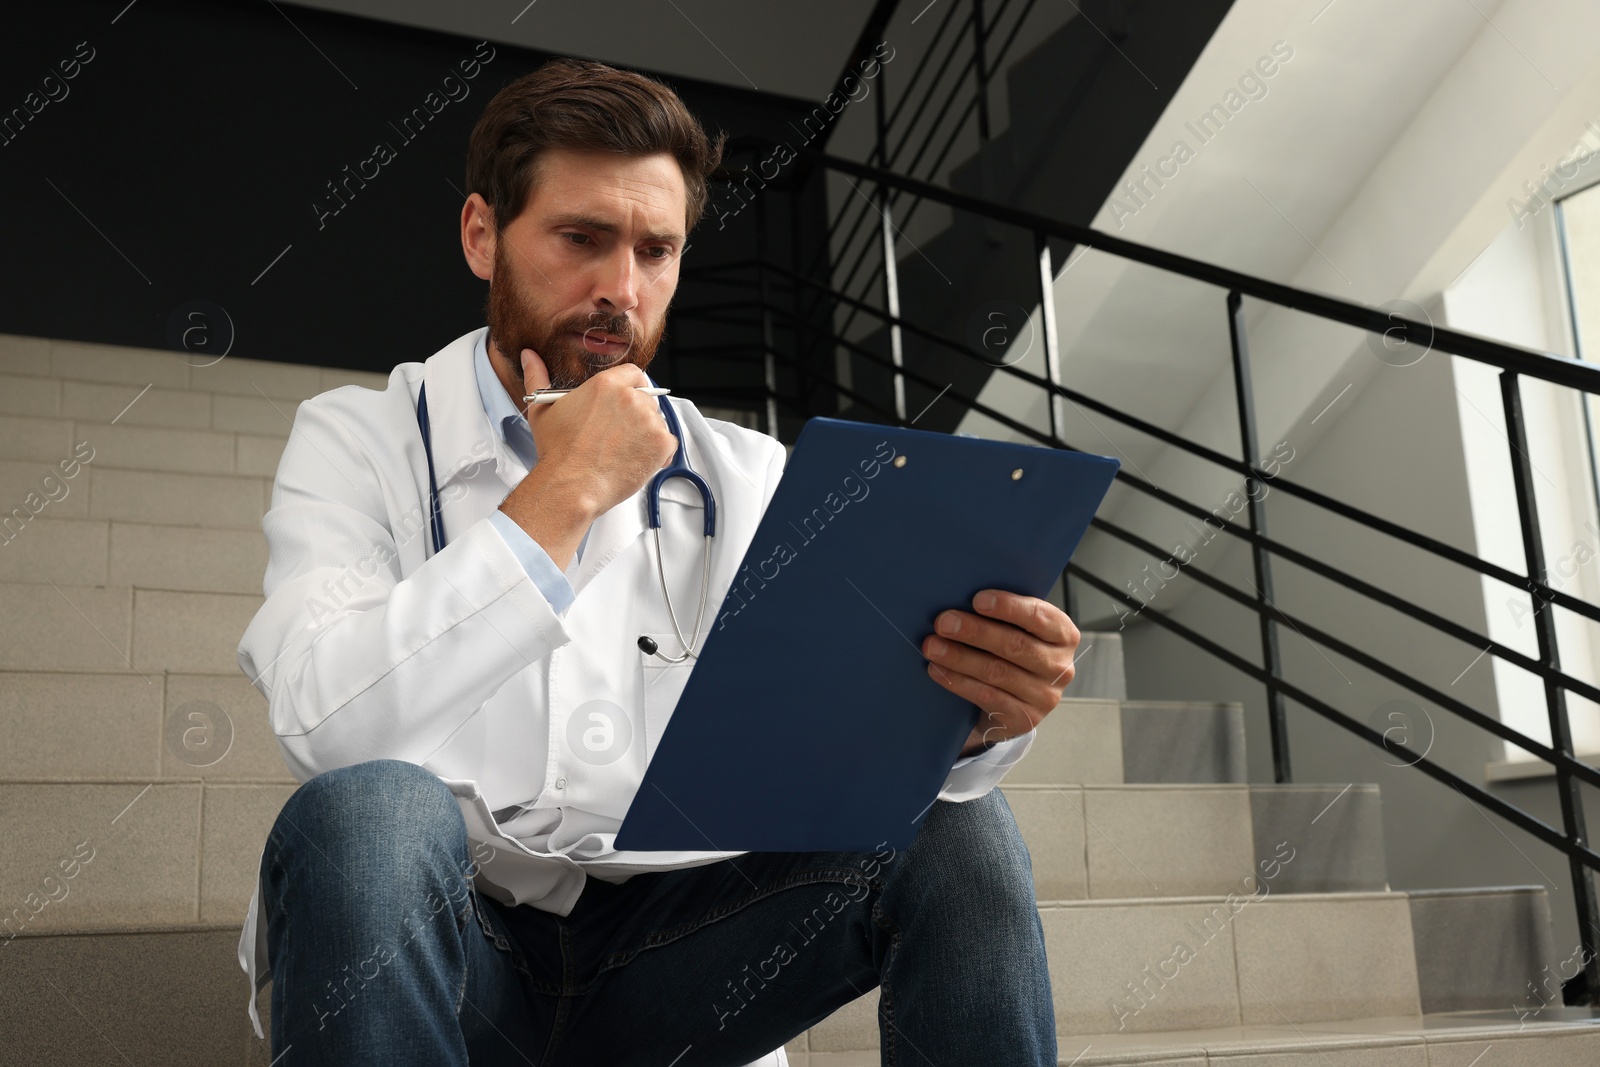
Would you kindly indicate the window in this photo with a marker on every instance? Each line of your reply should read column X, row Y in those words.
column 1577, row 224
column 1578, row 220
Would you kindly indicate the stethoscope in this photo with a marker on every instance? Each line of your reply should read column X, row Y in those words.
column 678, row 468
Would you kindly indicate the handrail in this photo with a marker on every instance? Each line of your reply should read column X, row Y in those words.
column 1323, row 570
column 1310, row 630
column 1545, row 366
column 1546, row 833
column 1538, row 588
column 871, row 33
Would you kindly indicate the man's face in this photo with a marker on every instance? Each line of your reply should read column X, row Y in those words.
column 585, row 273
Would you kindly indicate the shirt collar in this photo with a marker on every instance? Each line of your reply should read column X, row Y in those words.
column 496, row 401
column 508, row 421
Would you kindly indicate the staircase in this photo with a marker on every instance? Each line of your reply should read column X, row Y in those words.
column 135, row 752
column 1145, row 836
column 139, row 777
column 1081, row 98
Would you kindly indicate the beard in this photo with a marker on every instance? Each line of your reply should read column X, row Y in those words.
column 516, row 321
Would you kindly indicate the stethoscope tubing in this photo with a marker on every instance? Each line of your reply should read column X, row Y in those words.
column 435, row 517
column 678, row 468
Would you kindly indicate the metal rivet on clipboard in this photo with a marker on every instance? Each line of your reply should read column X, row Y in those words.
column 900, row 461
column 1016, row 475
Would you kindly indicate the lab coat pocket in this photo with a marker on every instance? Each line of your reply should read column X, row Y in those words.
column 663, row 683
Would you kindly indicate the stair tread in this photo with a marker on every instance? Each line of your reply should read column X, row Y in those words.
column 1374, row 1032
column 103, row 928
column 1222, row 898
column 112, row 929
column 1151, row 1046
column 1477, row 890
column 1101, row 1050
column 1043, row 787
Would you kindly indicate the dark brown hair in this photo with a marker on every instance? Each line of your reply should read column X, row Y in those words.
column 587, row 106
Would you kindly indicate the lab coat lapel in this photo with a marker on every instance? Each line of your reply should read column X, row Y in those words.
column 611, row 533
column 466, row 448
column 463, row 440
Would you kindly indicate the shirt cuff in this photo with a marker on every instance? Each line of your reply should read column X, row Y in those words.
column 973, row 776
column 540, row 568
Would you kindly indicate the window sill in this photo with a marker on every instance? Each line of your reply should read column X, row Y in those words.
column 1517, row 770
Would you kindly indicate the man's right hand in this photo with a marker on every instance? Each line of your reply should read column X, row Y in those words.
column 597, row 446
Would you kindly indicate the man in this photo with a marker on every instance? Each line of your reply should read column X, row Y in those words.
column 443, row 886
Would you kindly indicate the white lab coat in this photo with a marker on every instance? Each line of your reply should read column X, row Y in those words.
column 368, row 646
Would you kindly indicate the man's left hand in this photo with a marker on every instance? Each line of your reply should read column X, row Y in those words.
column 1012, row 659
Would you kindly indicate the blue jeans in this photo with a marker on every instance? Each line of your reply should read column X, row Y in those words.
column 382, row 952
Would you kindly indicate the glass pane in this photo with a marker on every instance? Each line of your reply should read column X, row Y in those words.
column 1580, row 217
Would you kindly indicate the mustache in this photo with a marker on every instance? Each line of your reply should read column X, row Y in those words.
column 618, row 326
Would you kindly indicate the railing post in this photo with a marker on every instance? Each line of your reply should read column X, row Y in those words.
column 767, row 340
column 1271, row 662
column 802, row 355
column 891, row 294
column 891, row 274
column 882, row 113
column 1047, row 321
column 1052, row 370
column 1555, row 696
column 980, row 48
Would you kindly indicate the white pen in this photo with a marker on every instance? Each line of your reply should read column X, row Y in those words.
column 550, row 396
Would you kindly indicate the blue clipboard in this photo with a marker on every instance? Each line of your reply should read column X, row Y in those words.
column 809, row 722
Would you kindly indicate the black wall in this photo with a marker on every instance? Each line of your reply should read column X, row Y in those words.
column 179, row 179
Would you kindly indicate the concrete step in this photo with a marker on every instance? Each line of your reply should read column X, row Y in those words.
column 1278, row 980
column 121, row 628
column 1136, row 741
column 1487, row 948
column 1183, row 741
column 1138, row 966
column 171, row 779
column 69, row 650
column 1110, row 842
column 110, row 433
column 42, row 360
column 1432, row 1040
column 1098, row 670
column 142, row 448
column 171, row 995
column 1337, row 832
column 108, row 727
column 146, row 555
column 201, row 828
column 93, row 854
column 1087, row 843
column 32, row 492
column 97, row 403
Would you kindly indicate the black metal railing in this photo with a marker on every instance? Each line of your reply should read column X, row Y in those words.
column 896, row 144
column 798, row 300
column 779, row 280
column 967, row 50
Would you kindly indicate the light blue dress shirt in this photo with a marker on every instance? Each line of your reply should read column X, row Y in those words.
column 511, row 426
